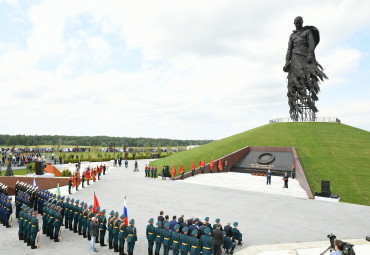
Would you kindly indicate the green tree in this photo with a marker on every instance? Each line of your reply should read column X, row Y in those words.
column 9, row 170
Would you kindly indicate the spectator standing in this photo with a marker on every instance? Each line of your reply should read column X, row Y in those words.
column 268, row 176
column 94, row 232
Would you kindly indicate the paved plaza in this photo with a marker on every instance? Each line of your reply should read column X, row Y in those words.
column 264, row 217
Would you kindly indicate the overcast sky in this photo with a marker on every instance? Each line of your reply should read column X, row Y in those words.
column 175, row 69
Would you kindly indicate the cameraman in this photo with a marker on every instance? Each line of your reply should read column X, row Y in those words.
column 338, row 244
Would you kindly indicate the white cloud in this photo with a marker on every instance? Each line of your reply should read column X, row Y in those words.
column 219, row 71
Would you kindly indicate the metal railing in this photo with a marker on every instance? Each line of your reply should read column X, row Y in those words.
column 317, row 119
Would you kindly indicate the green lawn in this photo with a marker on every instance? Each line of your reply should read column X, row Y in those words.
column 328, row 151
column 15, row 172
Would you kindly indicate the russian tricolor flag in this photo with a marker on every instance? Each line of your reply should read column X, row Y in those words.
column 34, row 183
column 125, row 212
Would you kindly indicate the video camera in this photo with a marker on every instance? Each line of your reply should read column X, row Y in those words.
column 348, row 249
column 332, row 239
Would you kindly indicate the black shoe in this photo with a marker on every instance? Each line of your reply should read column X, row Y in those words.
column 110, row 244
column 115, row 248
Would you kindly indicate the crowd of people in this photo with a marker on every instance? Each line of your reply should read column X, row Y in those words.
column 191, row 236
column 19, row 158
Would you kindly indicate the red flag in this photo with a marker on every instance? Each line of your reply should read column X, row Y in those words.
column 93, row 174
column 73, row 181
column 192, row 166
column 220, row 165
column 182, row 169
column 201, row 163
column 96, row 203
column 173, row 171
column 211, row 164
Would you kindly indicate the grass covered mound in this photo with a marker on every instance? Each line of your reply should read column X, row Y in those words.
column 328, row 151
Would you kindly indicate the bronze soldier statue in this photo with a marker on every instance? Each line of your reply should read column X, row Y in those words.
column 304, row 72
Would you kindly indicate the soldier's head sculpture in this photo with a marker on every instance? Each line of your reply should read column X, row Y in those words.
column 298, row 22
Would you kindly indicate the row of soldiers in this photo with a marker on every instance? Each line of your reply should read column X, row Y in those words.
column 78, row 218
column 6, row 210
column 30, row 196
column 28, row 226
column 150, row 171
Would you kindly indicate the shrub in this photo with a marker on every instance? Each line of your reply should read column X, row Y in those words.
column 66, row 173
column 9, row 170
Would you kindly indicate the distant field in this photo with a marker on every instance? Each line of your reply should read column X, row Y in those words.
column 328, row 151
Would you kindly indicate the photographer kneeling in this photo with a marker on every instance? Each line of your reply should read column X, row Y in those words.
column 338, row 244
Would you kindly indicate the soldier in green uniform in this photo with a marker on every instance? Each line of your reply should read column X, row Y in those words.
column 70, row 185
column 184, row 241
column 150, row 235
column 207, row 224
column 45, row 218
column 80, row 217
column 84, row 220
column 166, row 234
column 175, row 237
column 110, row 229
column 28, row 227
column 89, row 217
column 115, row 231
column 194, row 243
column 71, row 214
column 215, row 225
column 131, row 237
column 236, row 233
column 51, row 221
column 66, row 212
column 158, row 237
column 25, row 219
column 122, row 235
column 20, row 222
column 206, row 243
column 228, row 244
column 57, row 223
column 34, row 229
column 102, row 227
column 76, row 212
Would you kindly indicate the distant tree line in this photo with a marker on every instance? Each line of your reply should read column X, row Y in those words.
column 102, row 141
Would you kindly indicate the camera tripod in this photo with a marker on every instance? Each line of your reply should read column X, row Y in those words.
column 327, row 249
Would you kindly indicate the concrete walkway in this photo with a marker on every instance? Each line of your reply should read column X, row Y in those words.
column 263, row 218
column 247, row 182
